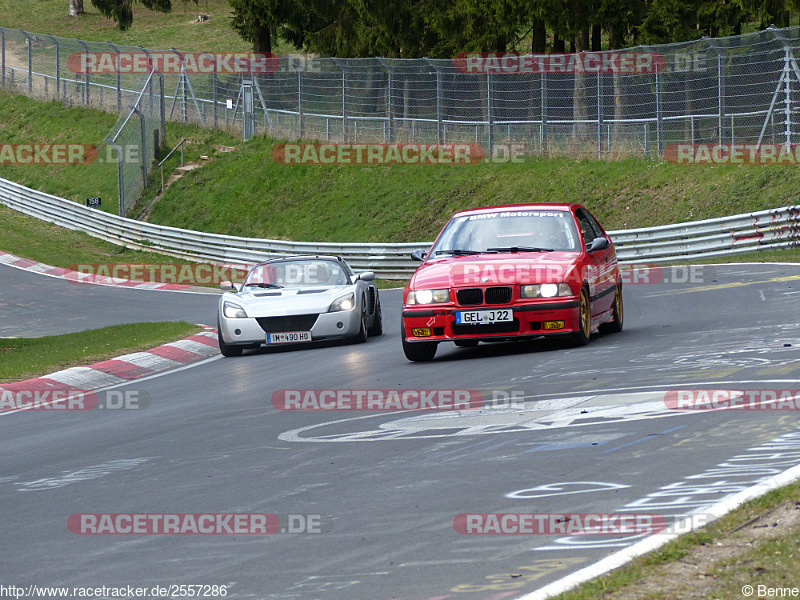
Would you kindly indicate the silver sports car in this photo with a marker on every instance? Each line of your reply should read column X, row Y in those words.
column 295, row 300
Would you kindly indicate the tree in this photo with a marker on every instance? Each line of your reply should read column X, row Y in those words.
column 769, row 12
column 121, row 11
column 75, row 8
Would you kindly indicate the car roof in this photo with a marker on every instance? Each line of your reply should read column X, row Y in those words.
column 554, row 206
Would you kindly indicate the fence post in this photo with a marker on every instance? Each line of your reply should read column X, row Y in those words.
column 301, row 124
column 659, row 118
column 30, row 60
column 58, row 66
column 144, row 144
column 344, row 106
column 85, row 93
column 120, row 178
column 119, row 87
column 3, row 56
column 162, row 101
column 720, row 91
column 344, row 99
column 490, row 113
column 248, row 112
column 389, row 123
column 439, row 110
column 214, row 94
column 788, row 92
column 543, row 78
column 599, row 114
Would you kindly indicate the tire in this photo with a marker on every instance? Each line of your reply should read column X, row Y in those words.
column 584, row 333
column 362, row 331
column 615, row 326
column 227, row 349
column 417, row 352
column 466, row 343
column 377, row 321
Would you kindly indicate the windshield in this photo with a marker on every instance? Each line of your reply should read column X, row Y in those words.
column 511, row 231
column 298, row 274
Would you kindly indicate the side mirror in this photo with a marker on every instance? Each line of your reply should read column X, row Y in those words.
column 598, row 243
column 227, row 286
column 366, row 276
column 419, row 255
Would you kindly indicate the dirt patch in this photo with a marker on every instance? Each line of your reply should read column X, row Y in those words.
column 694, row 575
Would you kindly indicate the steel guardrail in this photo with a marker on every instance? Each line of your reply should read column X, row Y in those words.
column 762, row 230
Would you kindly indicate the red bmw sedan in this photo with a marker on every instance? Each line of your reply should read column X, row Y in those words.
column 513, row 272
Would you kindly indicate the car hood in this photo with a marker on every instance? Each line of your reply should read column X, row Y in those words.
column 496, row 269
column 261, row 302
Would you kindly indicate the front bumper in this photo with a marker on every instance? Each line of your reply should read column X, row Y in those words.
column 249, row 332
column 529, row 321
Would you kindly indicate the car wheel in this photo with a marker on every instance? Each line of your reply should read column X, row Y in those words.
column 615, row 326
column 466, row 343
column 584, row 333
column 362, row 331
column 377, row 321
column 227, row 349
column 419, row 351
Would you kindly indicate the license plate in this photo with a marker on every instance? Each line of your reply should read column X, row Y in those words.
column 289, row 337
column 483, row 317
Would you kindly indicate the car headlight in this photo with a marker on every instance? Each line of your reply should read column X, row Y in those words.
column 233, row 311
column 428, row 296
column 344, row 303
column 545, row 290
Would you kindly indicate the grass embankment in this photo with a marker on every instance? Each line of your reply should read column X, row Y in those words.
column 150, row 29
column 28, row 121
column 245, row 193
column 24, row 358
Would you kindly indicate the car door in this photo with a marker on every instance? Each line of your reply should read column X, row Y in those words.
column 601, row 265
